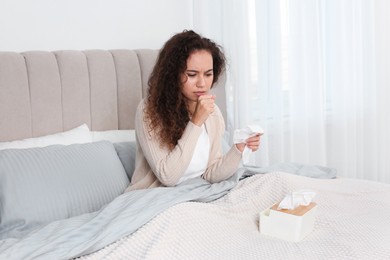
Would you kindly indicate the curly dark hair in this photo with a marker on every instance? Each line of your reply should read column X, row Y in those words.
column 166, row 108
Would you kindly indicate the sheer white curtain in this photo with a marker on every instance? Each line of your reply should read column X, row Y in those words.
column 307, row 71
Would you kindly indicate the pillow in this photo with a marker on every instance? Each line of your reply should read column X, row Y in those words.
column 40, row 185
column 114, row 136
column 79, row 134
column 127, row 152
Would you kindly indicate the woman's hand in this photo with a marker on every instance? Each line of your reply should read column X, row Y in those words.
column 204, row 107
column 252, row 143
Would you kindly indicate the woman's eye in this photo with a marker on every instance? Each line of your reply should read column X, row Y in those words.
column 191, row 75
column 209, row 74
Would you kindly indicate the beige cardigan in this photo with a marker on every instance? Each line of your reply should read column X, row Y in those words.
column 157, row 166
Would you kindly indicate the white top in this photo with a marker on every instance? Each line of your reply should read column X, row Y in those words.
column 200, row 158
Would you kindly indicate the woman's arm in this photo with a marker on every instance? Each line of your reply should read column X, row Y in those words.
column 168, row 166
column 221, row 166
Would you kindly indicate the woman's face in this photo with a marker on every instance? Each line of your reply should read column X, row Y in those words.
column 198, row 77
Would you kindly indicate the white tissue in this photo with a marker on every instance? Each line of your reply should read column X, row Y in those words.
column 297, row 198
column 240, row 136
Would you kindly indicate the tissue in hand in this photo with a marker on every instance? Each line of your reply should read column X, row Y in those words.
column 290, row 224
column 240, row 136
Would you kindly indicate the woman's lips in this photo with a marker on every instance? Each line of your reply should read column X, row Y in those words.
column 200, row 93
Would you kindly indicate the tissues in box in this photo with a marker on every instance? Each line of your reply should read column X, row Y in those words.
column 291, row 225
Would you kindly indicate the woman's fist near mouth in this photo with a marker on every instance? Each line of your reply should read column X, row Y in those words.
column 204, row 107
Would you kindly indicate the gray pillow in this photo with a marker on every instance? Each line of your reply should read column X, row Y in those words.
column 40, row 185
column 126, row 152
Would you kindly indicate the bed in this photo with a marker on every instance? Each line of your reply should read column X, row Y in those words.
column 67, row 149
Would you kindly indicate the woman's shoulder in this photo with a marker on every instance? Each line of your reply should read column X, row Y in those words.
column 141, row 107
column 141, row 104
column 140, row 112
column 142, row 121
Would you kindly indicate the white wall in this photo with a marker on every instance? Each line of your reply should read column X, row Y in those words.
column 90, row 24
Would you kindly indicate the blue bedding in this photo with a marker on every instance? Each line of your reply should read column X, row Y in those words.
column 87, row 233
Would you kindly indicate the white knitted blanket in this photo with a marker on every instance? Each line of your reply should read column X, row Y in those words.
column 353, row 222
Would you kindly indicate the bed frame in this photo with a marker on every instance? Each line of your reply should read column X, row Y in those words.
column 48, row 92
column 45, row 92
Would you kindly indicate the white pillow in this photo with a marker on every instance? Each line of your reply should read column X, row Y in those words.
column 114, row 136
column 76, row 135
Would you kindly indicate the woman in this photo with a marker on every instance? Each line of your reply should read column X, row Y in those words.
column 178, row 126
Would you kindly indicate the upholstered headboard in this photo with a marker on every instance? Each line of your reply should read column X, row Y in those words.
column 49, row 92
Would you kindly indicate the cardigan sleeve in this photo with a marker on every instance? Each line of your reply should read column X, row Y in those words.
column 221, row 166
column 168, row 166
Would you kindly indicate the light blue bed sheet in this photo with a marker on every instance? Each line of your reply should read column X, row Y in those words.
column 88, row 233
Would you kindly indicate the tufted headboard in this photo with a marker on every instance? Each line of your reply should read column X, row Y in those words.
column 45, row 92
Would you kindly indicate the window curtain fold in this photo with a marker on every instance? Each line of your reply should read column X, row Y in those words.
column 310, row 72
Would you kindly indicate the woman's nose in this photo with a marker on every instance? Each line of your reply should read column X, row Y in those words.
column 201, row 82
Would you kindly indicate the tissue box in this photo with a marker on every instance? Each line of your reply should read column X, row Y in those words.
column 291, row 225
